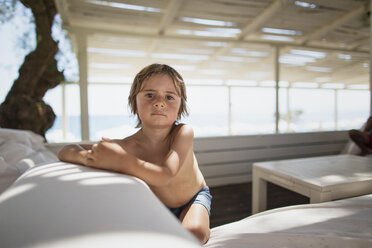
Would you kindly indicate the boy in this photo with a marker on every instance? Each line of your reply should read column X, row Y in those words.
column 161, row 152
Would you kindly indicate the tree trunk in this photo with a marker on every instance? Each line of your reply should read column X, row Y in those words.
column 24, row 107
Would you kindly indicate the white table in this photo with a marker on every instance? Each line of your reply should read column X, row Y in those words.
column 321, row 179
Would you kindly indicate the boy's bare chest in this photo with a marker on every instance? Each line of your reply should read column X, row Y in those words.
column 154, row 155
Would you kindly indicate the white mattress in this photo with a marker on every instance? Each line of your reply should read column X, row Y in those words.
column 20, row 150
column 67, row 205
column 343, row 223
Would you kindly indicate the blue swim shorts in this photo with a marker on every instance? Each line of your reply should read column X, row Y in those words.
column 203, row 197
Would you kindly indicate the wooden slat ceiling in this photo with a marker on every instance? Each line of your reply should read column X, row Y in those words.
column 323, row 41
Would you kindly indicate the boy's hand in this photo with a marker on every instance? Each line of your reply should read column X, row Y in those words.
column 106, row 154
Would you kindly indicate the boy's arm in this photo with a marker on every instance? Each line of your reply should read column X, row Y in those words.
column 74, row 153
column 109, row 155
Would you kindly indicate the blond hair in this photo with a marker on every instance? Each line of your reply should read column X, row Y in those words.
column 146, row 73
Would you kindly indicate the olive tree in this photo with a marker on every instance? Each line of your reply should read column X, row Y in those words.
column 23, row 107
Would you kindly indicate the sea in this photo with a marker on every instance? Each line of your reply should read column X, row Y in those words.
column 204, row 125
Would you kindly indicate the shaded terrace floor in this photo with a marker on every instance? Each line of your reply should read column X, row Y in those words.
column 234, row 202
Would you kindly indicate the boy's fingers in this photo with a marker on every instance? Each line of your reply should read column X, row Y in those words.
column 90, row 154
column 89, row 162
column 90, row 158
column 94, row 147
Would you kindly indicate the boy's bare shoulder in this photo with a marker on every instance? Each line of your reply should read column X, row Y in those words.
column 125, row 142
column 183, row 131
column 129, row 140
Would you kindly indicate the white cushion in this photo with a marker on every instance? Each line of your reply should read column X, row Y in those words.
column 67, row 205
column 344, row 223
column 20, row 150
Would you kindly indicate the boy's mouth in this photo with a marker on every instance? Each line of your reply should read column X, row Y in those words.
column 158, row 114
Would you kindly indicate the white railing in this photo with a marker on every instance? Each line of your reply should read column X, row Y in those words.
column 228, row 160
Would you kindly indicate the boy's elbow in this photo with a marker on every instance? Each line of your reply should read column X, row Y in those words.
column 61, row 155
column 68, row 153
column 63, row 152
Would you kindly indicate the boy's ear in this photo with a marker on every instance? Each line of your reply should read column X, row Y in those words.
column 135, row 108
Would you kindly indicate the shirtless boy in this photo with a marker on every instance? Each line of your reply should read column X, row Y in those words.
column 160, row 153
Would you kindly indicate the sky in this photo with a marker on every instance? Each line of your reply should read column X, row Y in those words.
column 10, row 33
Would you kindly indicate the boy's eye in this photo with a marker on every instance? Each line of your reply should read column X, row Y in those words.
column 170, row 97
column 149, row 95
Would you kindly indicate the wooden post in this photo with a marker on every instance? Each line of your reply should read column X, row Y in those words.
column 83, row 82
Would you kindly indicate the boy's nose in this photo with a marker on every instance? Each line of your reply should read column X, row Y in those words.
column 159, row 105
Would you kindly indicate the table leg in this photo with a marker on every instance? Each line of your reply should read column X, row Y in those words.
column 259, row 193
column 316, row 197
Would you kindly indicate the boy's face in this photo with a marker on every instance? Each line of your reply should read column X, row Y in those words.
column 158, row 103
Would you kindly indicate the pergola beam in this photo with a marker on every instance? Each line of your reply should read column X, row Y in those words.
column 331, row 26
column 170, row 13
column 263, row 17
